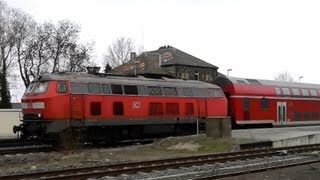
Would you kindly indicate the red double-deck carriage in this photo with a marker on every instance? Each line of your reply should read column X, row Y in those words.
column 253, row 101
column 107, row 108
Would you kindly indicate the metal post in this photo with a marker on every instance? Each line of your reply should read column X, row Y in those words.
column 197, row 126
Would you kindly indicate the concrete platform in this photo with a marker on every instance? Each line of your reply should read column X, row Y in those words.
column 279, row 137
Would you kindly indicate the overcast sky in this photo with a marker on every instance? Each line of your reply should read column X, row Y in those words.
column 254, row 38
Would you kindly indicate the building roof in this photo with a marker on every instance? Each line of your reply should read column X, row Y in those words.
column 152, row 62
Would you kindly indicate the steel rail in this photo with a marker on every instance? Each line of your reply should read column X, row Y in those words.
column 147, row 166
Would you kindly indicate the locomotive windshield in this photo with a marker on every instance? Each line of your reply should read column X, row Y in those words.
column 37, row 87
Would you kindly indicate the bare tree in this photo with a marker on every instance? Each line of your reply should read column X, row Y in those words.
column 7, row 42
column 284, row 76
column 119, row 52
column 49, row 48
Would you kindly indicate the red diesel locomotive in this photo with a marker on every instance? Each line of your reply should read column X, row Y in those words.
column 108, row 108
column 253, row 101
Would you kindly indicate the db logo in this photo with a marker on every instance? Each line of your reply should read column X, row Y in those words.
column 136, row 105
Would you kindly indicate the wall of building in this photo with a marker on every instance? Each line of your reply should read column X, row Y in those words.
column 9, row 118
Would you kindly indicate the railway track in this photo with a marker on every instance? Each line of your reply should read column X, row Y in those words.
column 16, row 146
column 147, row 166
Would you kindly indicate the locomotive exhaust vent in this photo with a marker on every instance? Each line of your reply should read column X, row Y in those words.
column 93, row 70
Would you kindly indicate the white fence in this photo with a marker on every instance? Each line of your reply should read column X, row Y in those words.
column 8, row 118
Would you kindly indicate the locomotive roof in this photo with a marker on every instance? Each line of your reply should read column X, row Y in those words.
column 110, row 79
column 235, row 80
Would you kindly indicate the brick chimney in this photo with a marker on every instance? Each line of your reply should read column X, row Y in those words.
column 133, row 55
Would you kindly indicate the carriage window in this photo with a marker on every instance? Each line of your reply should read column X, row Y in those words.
column 130, row 89
column 189, row 109
column 187, row 91
column 170, row 91
column 306, row 116
column 286, row 91
column 95, row 108
column 116, row 89
column 106, row 88
column 264, row 103
column 315, row 115
column 202, row 92
column 278, row 92
column 78, row 87
column 296, row 116
column 155, row 108
column 304, row 92
column 41, row 87
column 313, row 93
column 94, row 88
column 62, row 87
column 172, row 108
column 142, row 90
column 117, row 108
column 153, row 90
column 296, row 92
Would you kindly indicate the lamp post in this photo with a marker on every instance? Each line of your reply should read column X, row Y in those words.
column 228, row 70
column 300, row 78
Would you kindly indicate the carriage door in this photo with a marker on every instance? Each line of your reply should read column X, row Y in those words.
column 281, row 112
column 77, row 109
column 202, row 107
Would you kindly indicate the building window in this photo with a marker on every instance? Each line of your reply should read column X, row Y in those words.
column 95, row 108
column 117, row 108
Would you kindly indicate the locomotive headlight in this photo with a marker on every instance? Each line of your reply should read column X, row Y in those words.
column 38, row 105
column 39, row 115
column 24, row 105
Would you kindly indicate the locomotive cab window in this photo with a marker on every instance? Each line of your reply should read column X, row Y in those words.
column 62, row 87
column 130, row 89
column 41, row 87
column 116, row 89
column 30, row 87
